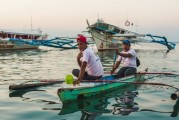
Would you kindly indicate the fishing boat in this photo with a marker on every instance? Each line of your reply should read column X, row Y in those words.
column 107, row 36
column 107, row 84
column 19, row 40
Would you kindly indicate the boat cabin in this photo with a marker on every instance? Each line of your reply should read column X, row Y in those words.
column 102, row 26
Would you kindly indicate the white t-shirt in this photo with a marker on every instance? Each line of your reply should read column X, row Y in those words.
column 94, row 66
column 128, row 61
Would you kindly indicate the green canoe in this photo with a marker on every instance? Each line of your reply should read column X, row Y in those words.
column 99, row 104
column 72, row 94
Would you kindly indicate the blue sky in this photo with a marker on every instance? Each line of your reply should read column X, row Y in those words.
column 68, row 17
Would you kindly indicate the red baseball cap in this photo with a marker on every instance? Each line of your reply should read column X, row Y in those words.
column 81, row 38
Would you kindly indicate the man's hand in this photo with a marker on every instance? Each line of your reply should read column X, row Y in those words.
column 117, row 52
column 112, row 71
column 79, row 55
column 76, row 82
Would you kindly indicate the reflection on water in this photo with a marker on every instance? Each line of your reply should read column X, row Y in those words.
column 92, row 107
column 125, row 104
column 175, row 109
column 21, row 93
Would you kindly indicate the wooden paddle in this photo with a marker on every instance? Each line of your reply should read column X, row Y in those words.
column 115, row 56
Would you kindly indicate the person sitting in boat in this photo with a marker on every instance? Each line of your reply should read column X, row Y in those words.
column 90, row 64
column 128, row 57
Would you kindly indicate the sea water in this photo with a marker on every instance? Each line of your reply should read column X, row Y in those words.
column 129, row 103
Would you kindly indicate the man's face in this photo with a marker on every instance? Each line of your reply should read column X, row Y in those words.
column 125, row 47
column 81, row 45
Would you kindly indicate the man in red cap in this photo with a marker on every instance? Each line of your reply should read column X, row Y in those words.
column 90, row 64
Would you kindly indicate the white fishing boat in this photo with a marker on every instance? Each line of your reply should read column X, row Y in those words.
column 107, row 36
column 19, row 40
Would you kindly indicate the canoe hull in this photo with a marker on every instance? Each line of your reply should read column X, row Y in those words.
column 69, row 94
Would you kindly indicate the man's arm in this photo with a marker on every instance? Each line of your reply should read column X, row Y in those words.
column 82, row 71
column 79, row 62
column 115, row 67
column 122, row 54
column 78, row 58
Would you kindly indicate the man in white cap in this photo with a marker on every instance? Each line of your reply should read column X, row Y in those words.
column 128, row 57
column 90, row 64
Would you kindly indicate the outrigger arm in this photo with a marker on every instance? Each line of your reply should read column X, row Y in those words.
column 164, row 41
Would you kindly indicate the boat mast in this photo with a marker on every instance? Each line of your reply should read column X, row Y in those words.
column 31, row 24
